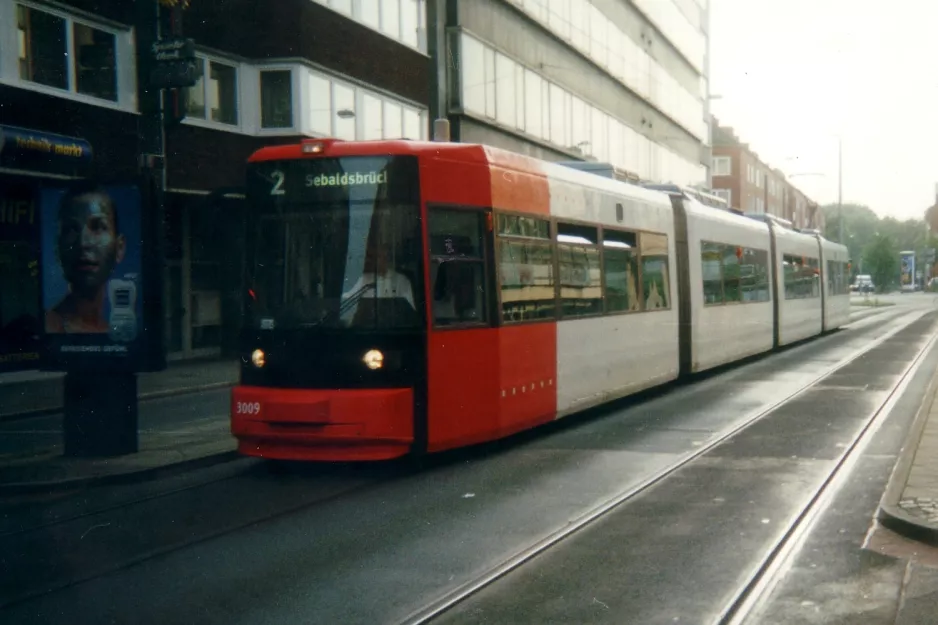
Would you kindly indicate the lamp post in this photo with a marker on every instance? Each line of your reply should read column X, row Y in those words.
column 840, row 190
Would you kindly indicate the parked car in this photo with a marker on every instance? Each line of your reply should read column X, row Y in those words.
column 864, row 284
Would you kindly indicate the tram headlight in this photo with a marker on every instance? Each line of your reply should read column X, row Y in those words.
column 258, row 358
column 373, row 359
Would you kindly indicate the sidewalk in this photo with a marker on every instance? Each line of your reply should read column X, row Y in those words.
column 910, row 503
column 27, row 393
column 180, row 431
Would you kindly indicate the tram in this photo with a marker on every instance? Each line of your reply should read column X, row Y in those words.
column 409, row 297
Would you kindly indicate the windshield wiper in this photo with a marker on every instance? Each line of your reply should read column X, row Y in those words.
column 355, row 297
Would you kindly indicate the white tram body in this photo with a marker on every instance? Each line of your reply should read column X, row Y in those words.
column 608, row 357
column 735, row 327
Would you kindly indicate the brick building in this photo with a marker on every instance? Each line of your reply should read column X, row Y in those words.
column 750, row 185
column 272, row 71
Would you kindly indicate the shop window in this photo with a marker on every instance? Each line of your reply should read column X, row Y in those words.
column 277, row 99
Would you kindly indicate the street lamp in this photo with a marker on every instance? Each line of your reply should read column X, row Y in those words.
column 840, row 188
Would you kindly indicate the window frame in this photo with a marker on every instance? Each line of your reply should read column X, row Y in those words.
column 239, row 125
column 739, row 302
column 817, row 267
column 296, row 111
column 125, row 75
column 598, row 245
column 356, row 15
column 638, row 272
column 485, row 214
column 601, row 230
column 726, row 161
column 551, row 241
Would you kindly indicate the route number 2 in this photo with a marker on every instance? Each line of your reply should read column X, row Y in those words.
column 248, row 407
column 279, row 178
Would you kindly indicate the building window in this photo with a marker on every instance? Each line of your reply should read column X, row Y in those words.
column 215, row 99
column 343, row 111
column 722, row 165
column 726, row 194
column 277, row 99
column 66, row 54
column 495, row 86
column 340, row 110
column 400, row 20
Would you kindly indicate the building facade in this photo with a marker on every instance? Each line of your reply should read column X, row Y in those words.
column 619, row 81
column 353, row 69
column 749, row 185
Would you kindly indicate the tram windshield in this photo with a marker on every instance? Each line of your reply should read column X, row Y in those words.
column 334, row 243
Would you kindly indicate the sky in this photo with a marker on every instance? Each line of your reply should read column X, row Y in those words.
column 793, row 75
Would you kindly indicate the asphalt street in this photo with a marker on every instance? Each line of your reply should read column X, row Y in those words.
column 374, row 543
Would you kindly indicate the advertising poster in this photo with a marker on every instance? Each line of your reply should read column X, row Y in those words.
column 91, row 273
column 907, row 270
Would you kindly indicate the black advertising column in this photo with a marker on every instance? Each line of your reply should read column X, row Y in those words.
column 107, row 324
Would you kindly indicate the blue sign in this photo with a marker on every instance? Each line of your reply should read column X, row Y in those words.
column 21, row 148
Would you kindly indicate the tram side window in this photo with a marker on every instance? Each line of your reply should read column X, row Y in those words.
column 837, row 277
column 734, row 274
column 525, row 257
column 457, row 267
column 620, row 265
column 754, row 275
column 731, row 273
column 580, row 281
column 801, row 277
column 656, row 279
column 711, row 259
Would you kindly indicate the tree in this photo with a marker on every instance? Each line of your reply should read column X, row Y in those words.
column 861, row 226
column 881, row 261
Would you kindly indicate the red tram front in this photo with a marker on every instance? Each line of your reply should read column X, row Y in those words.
column 369, row 321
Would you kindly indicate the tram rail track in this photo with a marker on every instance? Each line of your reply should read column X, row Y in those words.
column 746, row 596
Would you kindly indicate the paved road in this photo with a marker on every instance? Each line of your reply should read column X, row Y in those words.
column 372, row 544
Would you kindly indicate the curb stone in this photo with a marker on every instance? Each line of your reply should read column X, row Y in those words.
column 890, row 512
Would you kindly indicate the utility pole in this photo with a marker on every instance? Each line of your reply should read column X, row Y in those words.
column 840, row 187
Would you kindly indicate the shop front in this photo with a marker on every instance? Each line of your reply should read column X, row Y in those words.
column 29, row 161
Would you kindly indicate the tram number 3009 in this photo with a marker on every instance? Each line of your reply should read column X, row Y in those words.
column 248, row 407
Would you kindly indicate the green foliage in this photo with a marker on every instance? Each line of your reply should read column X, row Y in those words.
column 864, row 232
column 881, row 261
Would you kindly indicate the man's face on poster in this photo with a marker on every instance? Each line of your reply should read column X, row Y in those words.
column 89, row 244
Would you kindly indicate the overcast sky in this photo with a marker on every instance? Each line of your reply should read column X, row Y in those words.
column 793, row 74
